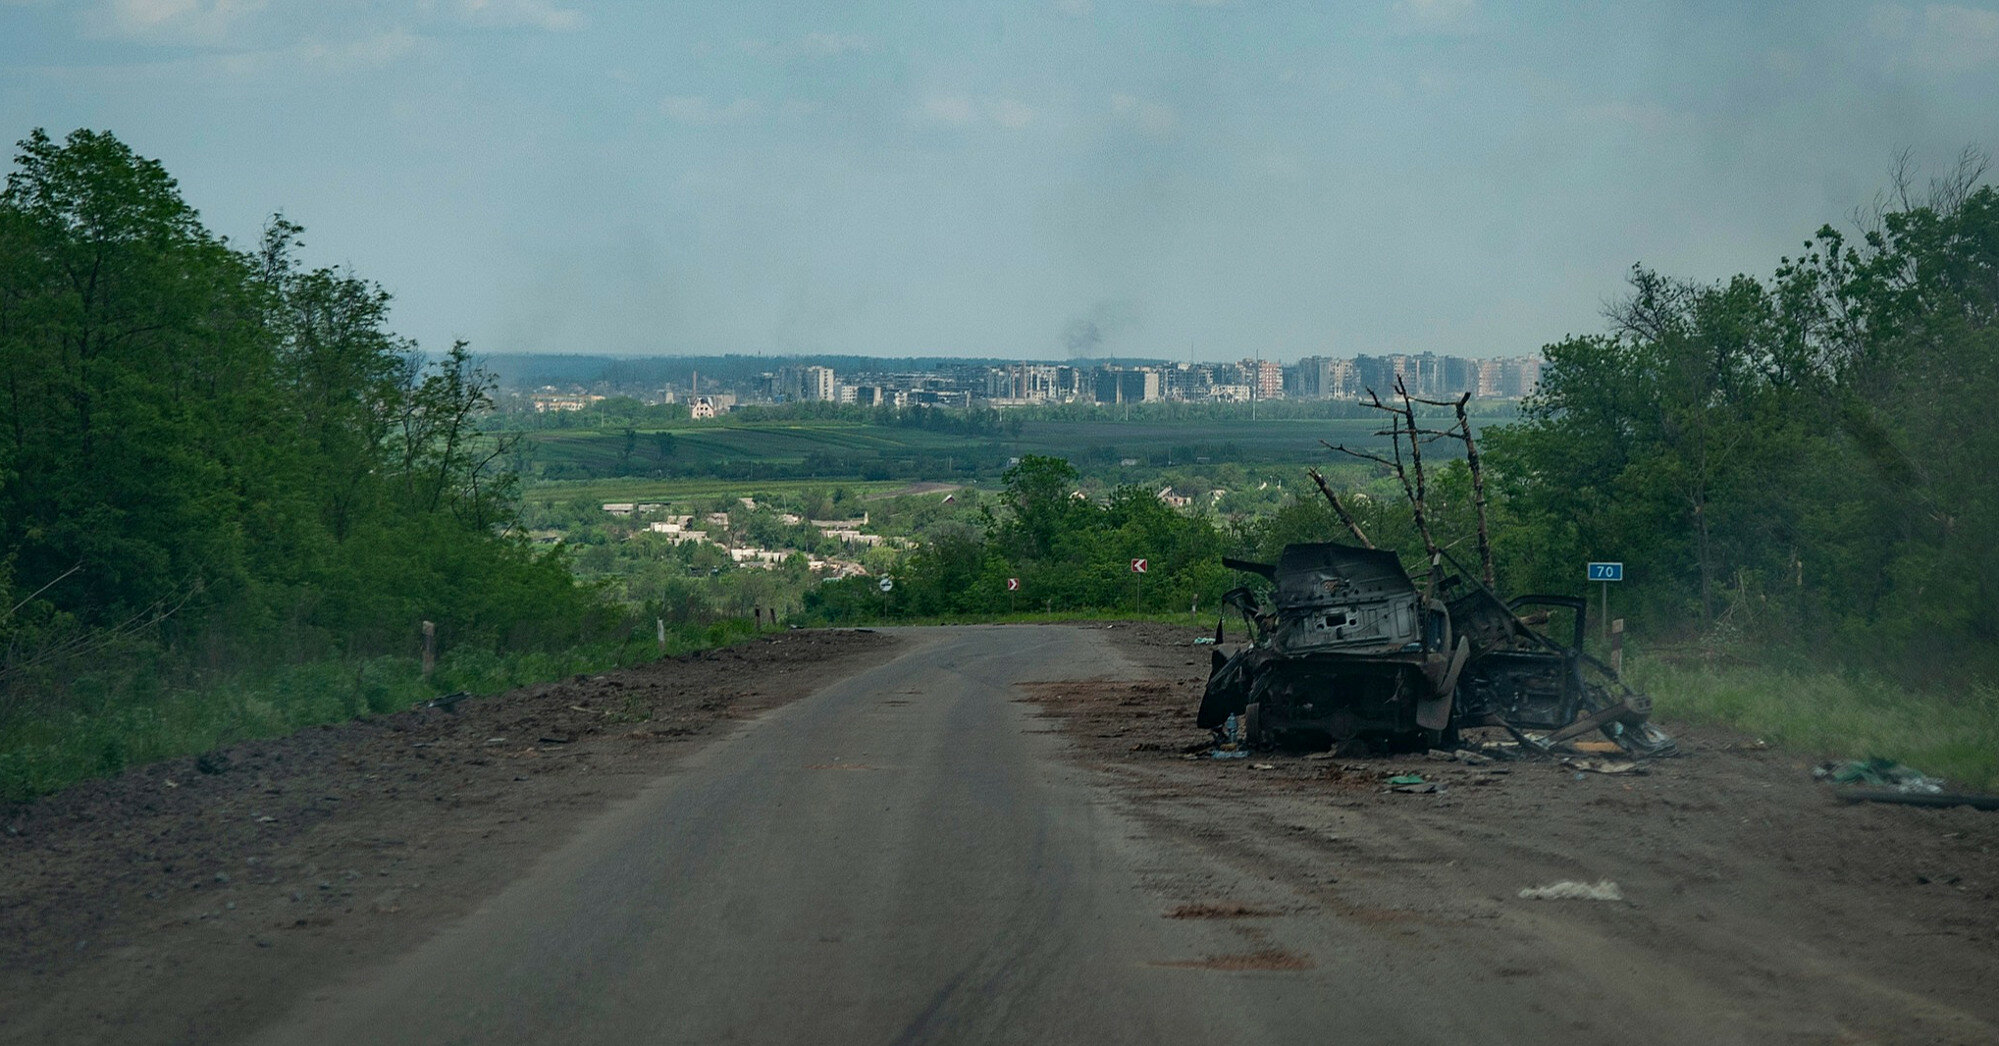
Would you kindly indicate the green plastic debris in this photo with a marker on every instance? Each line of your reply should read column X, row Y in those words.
column 1877, row 771
column 1406, row 779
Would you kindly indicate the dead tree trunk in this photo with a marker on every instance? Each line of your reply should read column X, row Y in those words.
column 1417, row 491
column 1339, row 509
column 1477, row 490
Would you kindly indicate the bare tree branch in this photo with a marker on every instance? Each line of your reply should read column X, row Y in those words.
column 1339, row 509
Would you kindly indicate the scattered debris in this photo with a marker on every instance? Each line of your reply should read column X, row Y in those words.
column 1229, row 741
column 1604, row 890
column 1885, row 773
column 1887, row 781
column 1406, row 779
column 1604, row 766
column 448, row 702
column 1431, row 788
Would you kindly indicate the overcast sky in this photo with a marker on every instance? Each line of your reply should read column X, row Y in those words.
column 1215, row 178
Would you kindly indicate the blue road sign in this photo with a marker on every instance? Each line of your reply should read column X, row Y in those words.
column 1606, row 571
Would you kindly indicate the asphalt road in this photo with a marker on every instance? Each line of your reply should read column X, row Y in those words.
column 903, row 857
column 915, row 854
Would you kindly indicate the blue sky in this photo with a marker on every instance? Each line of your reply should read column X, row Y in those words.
column 1205, row 178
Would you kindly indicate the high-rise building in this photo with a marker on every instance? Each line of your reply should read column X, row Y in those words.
column 804, row 383
column 1127, row 384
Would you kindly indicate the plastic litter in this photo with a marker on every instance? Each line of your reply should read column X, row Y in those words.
column 1885, row 773
column 1604, row 890
column 1604, row 766
column 1231, row 748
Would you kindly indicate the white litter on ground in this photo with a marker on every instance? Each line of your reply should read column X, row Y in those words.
column 1604, row 890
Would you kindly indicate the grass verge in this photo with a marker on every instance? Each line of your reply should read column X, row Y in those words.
column 104, row 724
column 1837, row 715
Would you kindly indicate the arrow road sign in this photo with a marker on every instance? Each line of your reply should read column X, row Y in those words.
column 1013, row 584
column 1606, row 571
column 1138, row 566
column 887, row 583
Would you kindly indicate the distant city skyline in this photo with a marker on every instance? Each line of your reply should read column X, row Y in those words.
column 1013, row 383
column 1037, row 179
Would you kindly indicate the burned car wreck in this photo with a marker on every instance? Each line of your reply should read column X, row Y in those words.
column 1352, row 650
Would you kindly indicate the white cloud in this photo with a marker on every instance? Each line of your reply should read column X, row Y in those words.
column 1151, row 117
column 699, row 111
column 1643, row 116
column 173, row 21
column 811, row 45
column 1784, row 62
column 951, row 109
column 520, row 14
column 371, row 52
column 834, row 43
column 958, row 110
column 1009, row 113
column 1435, row 16
column 1941, row 38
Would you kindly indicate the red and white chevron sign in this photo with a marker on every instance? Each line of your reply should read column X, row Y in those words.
column 1138, row 566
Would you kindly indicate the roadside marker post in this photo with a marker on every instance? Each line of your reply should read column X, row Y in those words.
column 1617, row 648
column 1012, row 586
column 1606, row 573
column 886, row 584
column 1137, row 585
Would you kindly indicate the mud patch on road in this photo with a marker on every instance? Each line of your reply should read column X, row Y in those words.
column 1219, row 911
column 1273, row 959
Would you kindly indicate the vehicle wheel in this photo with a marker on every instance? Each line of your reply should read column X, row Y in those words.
column 1252, row 723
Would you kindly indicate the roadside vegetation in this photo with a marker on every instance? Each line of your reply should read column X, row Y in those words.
column 1826, row 712
column 230, row 495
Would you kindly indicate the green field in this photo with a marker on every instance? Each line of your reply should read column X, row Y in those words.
column 843, row 450
column 677, row 491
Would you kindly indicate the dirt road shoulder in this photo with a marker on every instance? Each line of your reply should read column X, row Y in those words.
column 190, row 900
column 1748, row 894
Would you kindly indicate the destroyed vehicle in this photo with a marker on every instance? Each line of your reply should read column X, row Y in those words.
column 1352, row 649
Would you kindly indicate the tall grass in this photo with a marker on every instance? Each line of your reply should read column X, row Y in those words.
column 1830, row 714
column 106, row 722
